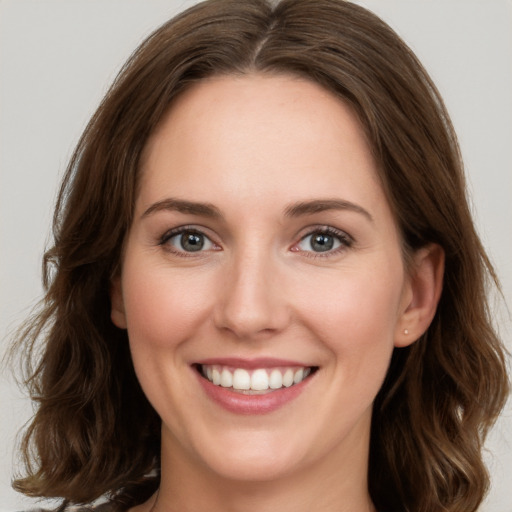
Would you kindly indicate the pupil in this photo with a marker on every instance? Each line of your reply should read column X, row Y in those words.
column 192, row 242
column 322, row 242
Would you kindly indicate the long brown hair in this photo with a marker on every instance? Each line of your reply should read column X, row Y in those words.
column 94, row 431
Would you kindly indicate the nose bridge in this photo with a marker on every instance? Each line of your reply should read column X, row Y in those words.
column 253, row 301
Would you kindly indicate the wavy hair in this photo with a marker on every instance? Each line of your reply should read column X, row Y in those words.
column 94, row 432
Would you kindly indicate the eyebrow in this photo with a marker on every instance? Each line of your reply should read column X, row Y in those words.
column 182, row 206
column 322, row 205
column 295, row 210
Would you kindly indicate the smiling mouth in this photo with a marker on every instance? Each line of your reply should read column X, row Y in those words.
column 257, row 381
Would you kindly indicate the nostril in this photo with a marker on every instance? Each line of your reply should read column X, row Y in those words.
column 250, row 322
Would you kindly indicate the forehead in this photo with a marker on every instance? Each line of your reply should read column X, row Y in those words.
column 258, row 135
column 259, row 102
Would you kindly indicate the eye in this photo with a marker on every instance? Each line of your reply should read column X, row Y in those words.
column 187, row 241
column 324, row 241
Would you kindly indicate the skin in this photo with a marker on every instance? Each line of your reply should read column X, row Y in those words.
column 252, row 147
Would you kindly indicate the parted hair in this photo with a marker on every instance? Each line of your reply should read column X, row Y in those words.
column 94, row 432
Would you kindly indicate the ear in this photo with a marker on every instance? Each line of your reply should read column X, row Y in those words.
column 117, row 313
column 421, row 295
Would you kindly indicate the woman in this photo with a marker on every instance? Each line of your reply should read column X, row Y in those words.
column 265, row 282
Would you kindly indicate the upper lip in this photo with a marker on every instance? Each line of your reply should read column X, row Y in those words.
column 250, row 364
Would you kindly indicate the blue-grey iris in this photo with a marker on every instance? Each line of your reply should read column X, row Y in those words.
column 192, row 241
column 322, row 242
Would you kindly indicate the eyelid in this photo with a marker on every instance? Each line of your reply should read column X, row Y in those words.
column 346, row 241
column 179, row 230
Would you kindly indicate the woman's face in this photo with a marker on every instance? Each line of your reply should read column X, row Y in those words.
column 262, row 250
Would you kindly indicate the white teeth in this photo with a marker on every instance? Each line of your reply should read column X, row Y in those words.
column 226, row 379
column 298, row 376
column 288, row 378
column 260, row 379
column 276, row 379
column 241, row 379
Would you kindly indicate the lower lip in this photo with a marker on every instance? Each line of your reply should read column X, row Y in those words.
column 240, row 403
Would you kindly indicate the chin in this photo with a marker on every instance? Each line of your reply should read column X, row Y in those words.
column 254, row 468
column 266, row 455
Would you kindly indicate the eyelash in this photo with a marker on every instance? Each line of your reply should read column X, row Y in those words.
column 345, row 241
column 168, row 235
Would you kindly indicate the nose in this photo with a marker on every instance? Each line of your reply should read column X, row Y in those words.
column 252, row 302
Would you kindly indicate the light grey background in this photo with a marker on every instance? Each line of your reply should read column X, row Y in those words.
column 57, row 58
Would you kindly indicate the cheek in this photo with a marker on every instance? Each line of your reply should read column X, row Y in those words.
column 355, row 316
column 164, row 312
column 355, row 303
column 163, row 307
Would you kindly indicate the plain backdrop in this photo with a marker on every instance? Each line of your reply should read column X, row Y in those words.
column 57, row 58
